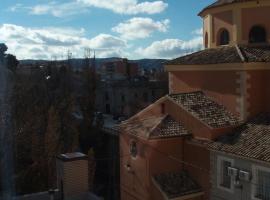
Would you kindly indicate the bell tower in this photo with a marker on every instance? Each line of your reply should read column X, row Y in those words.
column 233, row 22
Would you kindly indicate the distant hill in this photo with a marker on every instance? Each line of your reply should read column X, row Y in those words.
column 79, row 62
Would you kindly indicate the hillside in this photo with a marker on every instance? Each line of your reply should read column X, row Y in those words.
column 78, row 62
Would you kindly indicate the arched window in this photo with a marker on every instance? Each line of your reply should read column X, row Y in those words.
column 206, row 40
column 257, row 34
column 133, row 149
column 224, row 37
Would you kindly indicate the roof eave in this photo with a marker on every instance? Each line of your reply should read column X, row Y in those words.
column 242, row 66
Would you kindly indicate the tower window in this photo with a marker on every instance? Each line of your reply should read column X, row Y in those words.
column 206, row 40
column 224, row 37
column 257, row 34
column 133, row 149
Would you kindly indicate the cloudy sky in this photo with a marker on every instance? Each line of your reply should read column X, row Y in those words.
column 42, row 29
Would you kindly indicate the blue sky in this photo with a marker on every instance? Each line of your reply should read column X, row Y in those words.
column 42, row 29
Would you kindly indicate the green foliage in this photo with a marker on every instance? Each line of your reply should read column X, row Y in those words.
column 11, row 62
column 3, row 49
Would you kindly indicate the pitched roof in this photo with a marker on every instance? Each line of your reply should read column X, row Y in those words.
column 225, row 54
column 223, row 3
column 205, row 109
column 169, row 128
column 176, row 184
column 153, row 127
column 251, row 140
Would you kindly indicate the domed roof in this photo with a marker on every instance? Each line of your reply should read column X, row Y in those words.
column 219, row 3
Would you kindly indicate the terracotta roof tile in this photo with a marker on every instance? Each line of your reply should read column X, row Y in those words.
column 153, row 127
column 169, row 128
column 251, row 140
column 225, row 54
column 205, row 109
column 176, row 184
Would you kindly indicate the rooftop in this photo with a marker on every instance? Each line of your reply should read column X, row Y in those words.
column 153, row 127
column 223, row 3
column 169, row 128
column 176, row 184
column 251, row 140
column 225, row 54
column 72, row 156
column 204, row 108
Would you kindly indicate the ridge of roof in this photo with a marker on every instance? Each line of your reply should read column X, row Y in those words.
column 240, row 53
column 155, row 127
column 225, row 54
column 206, row 109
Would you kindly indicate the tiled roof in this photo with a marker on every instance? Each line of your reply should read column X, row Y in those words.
column 176, row 184
column 205, row 109
column 223, row 3
column 169, row 128
column 225, row 54
column 153, row 127
column 252, row 140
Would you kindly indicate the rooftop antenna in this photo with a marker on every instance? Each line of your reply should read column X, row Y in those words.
column 69, row 55
column 87, row 56
column 87, row 53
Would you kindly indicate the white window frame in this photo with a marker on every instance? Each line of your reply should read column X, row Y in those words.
column 220, row 159
column 255, row 168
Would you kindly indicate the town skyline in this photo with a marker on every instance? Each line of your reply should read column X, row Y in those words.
column 126, row 28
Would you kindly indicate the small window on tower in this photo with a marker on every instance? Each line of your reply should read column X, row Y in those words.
column 133, row 149
column 223, row 37
column 257, row 34
column 206, row 40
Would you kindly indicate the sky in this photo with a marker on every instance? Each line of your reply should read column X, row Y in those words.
column 135, row 29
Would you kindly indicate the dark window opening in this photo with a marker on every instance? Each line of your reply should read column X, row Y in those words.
column 133, row 149
column 206, row 40
column 107, row 96
column 62, row 190
column 123, row 98
column 108, row 109
column 224, row 37
column 153, row 94
column 145, row 97
column 257, row 35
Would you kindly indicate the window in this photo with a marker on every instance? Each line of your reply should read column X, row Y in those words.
column 123, row 98
column 257, row 34
column 224, row 37
column 145, row 97
column 261, row 186
column 107, row 96
column 206, row 40
column 108, row 109
column 153, row 93
column 133, row 149
column 224, row 181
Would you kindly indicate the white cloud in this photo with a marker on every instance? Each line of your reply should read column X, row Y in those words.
column 60, row 9
column 198, row 31
column 170, row 48
column 16, row 7
column 43, row 43
column 139, row 27
column 128, row 6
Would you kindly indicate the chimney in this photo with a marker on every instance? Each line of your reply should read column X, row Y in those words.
column 72, row 175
